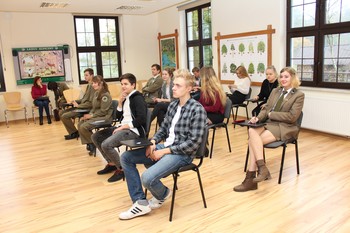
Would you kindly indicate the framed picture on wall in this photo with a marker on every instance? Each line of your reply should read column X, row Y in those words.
column 168, row 50
column 2, row 78
column 253, row 50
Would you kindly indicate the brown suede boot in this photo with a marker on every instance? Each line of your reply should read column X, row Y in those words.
column 247, row 184
column 263, row 172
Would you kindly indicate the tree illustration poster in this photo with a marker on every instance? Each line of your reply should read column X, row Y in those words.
column 249, row 51
column 168, row 53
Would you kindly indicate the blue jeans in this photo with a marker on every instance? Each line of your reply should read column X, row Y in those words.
column 150, row 179
column 43, row 104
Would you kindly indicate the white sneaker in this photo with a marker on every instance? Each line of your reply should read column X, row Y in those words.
column 154, row 203
column 135, row 210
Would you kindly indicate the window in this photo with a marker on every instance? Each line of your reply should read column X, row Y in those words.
column 318, row 42
column 198, row 25
column 98, row 46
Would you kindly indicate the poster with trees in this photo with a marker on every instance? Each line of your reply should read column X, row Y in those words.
column 250, row 49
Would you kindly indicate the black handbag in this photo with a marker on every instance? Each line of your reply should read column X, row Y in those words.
column 56, row 114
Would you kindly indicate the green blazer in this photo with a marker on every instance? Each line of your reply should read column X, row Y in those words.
column 283, row 124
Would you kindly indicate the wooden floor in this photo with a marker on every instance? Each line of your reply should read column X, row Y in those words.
column 50, row 185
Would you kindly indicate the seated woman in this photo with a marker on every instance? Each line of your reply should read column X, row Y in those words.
column 58, row 89
column 267, row 86
column 101, row 110
column 161, row 104
column 280, row 115
column 241, row 86
column 39, row 94
column 132, row 110
column 212, row 96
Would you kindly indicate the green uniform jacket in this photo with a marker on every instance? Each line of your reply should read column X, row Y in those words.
column 102, row 109
column 86, row 101
column 283, row 124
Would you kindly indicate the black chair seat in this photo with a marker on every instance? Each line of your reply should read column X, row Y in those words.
column 194, row 167
column 223, row 124
column 275, row 144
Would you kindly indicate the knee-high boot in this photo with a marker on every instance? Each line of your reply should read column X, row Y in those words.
column 263, row 172
column 41, row 120
column 247, row 184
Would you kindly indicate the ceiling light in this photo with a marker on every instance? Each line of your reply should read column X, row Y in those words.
column 129, row 8
column 53, row 5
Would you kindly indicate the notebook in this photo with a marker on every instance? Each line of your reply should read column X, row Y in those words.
column 133, row 143
column 81, row 110
column 248, row 124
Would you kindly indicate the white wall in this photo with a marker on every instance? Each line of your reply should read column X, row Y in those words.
column 140, row 44
column 138, row 39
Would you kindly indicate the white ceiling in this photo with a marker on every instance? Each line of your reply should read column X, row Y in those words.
column 90, row 6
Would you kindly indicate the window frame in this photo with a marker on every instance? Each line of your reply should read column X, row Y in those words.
column 200, row 42
column 319, row 30
column 97, row 48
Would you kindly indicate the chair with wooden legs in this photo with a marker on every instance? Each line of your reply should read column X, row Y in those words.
column 13, row 103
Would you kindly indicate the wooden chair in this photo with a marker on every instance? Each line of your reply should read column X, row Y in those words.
column 115, row 90
column 224, row 124
column 36, row 107
column 140, row 84
column 71, row 95
column 13, row 103
column 276, row 144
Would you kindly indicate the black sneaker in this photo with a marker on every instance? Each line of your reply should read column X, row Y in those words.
column 118, row 175
column 72, row 136
column 108, row 169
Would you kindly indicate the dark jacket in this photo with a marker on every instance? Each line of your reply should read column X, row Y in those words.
column 138, row 108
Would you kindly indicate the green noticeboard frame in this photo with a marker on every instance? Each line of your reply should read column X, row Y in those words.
column 46, row 62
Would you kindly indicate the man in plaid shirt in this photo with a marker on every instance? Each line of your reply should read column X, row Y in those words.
column 182, row 132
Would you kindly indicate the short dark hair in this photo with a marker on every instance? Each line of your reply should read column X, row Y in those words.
column 91, row 71
column 195, row 69
column 157, row 66
column 52, row 85
column 130, row 77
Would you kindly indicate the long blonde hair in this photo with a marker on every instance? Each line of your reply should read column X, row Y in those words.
column 210, row 85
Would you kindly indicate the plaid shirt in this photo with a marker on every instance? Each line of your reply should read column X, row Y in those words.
column 188, row 130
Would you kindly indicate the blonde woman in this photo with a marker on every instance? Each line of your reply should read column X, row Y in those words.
column 212, row 96
column 280, row 114
column 267, row 86
column 241, row 87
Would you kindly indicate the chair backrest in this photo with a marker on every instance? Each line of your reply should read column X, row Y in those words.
column 71, row 94
column 114, row 106
column 300, row 119
column 114, row 90
column 140, row 84
column 228, row 107
column 203, row 146
column 247, row 97
column 148, row 122
column 12, row 98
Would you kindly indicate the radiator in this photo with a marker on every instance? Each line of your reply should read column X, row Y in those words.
column 327, row 115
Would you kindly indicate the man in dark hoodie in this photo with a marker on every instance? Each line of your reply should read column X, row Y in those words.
column 132, row 111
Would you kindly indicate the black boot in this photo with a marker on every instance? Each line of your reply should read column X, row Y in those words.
column 92, row 148
column 49, row 119
column 41, row 122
